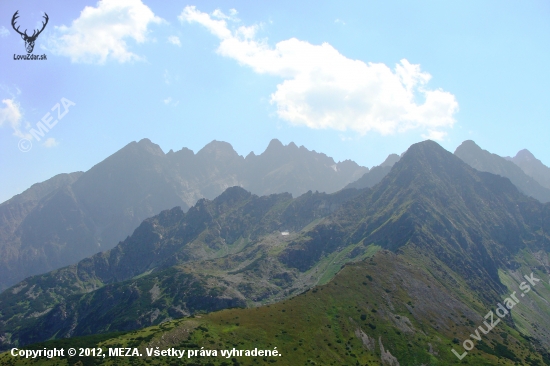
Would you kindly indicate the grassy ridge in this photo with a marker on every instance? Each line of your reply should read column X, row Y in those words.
column 384, row 301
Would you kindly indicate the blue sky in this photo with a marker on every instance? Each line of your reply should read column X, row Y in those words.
column 353, row 79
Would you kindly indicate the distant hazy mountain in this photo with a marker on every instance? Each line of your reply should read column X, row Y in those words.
column 15, row 209
column 70, row 217
column 485, row 161
column 375, row 175
column 296, row 170
column 532, row 166
column 13, row 213
column 436, row 243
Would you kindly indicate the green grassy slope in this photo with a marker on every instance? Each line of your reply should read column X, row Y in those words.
column 385, row 301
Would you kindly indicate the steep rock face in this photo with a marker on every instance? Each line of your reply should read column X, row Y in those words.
column 484, row 161
column 70, row 217
column 532, row 166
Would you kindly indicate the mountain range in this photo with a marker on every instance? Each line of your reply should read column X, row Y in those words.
column 485, row 161
column 72, row 216
column 401, row 273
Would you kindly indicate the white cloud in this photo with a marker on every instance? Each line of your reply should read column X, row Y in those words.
column 324, row 89
column 4, row 32
column 171, row 102
column 216, row 27
column 339, row 21
column 101, row 32
column 435, row 135
column 11, row 115
column 10, row 91
column 218, row 14
column 169, row 78
column 174, row 40
column 51, row 142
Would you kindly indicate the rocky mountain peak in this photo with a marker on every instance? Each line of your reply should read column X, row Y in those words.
column 390, row 160
column 524, row 155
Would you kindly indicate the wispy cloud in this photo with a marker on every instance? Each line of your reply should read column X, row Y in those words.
column 50, row 142
column 169, row 77
column 435, row 135
column 174, row 40
column 324, row 89
column 101, row 32
column 4, row 32
column 171, row 102
column 11, row 115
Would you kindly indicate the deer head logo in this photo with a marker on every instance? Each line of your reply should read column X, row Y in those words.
column 29, row 40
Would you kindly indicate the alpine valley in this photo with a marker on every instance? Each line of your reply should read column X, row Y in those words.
column 431, row 258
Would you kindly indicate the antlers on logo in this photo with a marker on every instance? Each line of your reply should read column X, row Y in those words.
column 29, row 40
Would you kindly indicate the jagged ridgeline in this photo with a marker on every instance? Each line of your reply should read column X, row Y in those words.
column 73, row 216
column 432, row 249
